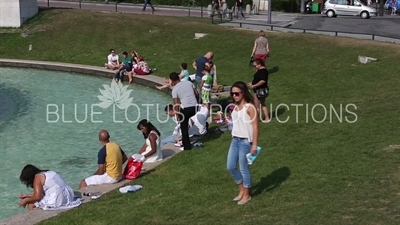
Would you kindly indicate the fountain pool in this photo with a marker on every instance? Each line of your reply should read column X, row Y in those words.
column 52, row 119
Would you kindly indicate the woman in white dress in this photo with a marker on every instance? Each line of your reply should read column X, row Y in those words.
column 151, row 149
column 50, row 191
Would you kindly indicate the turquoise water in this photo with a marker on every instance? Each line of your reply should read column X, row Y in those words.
column 29, row 134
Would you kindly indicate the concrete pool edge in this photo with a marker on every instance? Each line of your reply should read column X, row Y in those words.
column 148, row 80
column 35, row 216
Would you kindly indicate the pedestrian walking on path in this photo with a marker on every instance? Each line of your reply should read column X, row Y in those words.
column 148, row 2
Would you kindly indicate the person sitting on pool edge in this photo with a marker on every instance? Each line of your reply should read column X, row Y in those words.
column 110, row 160
column 151, row 148
column 50, row 191
column 184, row 75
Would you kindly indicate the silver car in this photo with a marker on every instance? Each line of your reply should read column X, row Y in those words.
column 333, row 8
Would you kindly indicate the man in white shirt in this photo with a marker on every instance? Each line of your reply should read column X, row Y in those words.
column 197, row 124
column 112, row 61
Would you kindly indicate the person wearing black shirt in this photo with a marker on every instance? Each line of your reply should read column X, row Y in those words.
column 260, row 88
column 239, row 8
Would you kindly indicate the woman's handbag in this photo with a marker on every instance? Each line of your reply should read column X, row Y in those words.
column 262, row 92
column 251, row 62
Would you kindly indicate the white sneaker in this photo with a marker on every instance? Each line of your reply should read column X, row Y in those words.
column 179, row 144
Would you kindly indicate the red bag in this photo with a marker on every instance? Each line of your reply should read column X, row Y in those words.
column 132, row 169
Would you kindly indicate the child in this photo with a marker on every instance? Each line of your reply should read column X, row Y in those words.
column 183, row 76
column 205, row 86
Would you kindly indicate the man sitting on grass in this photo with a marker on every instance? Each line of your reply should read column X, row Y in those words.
column 198, row 125
column 112, row 61
column 110, row 160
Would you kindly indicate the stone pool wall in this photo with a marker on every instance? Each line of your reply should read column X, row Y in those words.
column 34, row 216
column 148, row 80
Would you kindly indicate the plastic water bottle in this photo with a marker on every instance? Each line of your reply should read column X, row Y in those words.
column 251, row 158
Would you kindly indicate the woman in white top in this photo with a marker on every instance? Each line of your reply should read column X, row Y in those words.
column 151, row 149
column 50, row 191
column 244, row 139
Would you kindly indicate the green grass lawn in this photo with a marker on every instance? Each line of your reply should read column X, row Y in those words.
column 307, row 173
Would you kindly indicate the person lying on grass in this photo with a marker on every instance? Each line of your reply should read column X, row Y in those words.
column 183, row 76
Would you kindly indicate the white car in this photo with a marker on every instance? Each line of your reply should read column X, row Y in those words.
column 333, row 8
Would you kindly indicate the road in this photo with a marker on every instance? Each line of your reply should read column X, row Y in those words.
column 388, row 26
column 193, row 12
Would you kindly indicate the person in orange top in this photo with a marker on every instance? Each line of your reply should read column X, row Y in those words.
column 110, row 161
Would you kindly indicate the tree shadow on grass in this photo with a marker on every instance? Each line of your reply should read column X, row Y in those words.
column 271, row 181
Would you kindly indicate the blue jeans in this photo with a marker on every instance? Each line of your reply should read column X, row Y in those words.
column 198, row 81
column 237, row 153
column 148, row 2
column 169, row 139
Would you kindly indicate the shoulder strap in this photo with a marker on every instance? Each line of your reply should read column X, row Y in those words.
column 153, row 133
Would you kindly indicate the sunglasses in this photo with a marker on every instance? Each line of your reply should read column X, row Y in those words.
column 235, row 93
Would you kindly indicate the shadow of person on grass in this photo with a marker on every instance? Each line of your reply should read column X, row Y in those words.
column 211, row 135
column 273, row 70
column 271, row 181
column 277, row 112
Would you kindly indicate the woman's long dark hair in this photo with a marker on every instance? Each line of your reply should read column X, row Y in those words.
column 28, row 174
column 149, row 127
column 245, row 91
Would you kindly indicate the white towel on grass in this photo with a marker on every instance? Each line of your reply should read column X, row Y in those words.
column 130, row 188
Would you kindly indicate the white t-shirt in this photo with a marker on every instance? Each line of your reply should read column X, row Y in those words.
column 111, row 58
column 198, row 122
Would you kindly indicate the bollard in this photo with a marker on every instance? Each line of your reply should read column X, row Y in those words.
column 48, row 3
column 189, row 12
column 201, row 11
column 248, row 9
column 80, row 4
column 116, row 6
